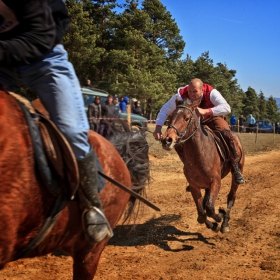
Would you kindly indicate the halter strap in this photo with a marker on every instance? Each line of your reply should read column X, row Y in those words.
column 181, row 135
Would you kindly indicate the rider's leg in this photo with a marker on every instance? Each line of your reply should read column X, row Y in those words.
column 95, row 223
column 220, row 124
column 54, row 80
column 234, row 155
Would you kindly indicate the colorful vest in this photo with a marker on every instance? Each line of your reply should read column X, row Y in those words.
column 205, row 101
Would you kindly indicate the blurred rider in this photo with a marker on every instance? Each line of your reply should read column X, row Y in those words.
column 32, row 55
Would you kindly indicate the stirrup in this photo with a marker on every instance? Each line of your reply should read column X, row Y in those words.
column 96, row 225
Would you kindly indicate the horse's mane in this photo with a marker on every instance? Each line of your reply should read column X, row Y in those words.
column 187, row 102
column 134, row 149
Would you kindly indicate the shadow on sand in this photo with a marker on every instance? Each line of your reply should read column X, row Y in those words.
column 157, row 232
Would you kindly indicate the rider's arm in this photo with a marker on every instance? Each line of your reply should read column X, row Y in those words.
column 33, row 34
column 221, row 107
column 166, row 110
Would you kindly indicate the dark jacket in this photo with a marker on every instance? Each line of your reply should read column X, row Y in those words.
column 30, row 29
column 137, row 110
column 94, row 110
column 94, row 115
column 108, row 110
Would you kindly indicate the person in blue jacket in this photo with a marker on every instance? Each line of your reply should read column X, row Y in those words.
column 124, row 101
column 251, row 122
column 233, row 122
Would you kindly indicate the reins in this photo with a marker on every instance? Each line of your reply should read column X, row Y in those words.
column 182, row 135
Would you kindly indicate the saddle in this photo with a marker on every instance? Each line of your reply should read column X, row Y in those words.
column 220, row 142
column 52, row 150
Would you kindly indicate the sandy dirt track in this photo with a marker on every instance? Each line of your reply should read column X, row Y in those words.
column 171, row 244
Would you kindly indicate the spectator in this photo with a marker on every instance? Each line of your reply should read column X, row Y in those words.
column 108, row 112
column 123, row 103
column 136, row 109
column 232, row 122
column 94, row 114
column 276, row 127
column 241, row 121
column 251, row 122
column 133, row 100
column 88, row 84
column 117, row 106
column 32, row 55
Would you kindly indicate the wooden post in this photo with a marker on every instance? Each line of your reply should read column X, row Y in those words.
column 257, row 130
column 128, row 110
column 238, row 126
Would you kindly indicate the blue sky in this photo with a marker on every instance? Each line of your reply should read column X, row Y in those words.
column 243, row 34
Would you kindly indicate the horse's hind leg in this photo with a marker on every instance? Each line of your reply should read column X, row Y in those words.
column 232, row 195
column 230, row 202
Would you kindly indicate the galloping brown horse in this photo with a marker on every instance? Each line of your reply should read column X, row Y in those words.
column 204, row 167
column 25, row 202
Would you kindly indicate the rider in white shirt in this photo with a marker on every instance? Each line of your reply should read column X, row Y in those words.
column 213, row 107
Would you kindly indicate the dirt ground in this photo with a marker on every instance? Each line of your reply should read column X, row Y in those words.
column 170, row 244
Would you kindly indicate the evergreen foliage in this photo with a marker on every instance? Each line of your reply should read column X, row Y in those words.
column 135, row 50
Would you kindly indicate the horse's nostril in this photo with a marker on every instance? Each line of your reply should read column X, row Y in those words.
column 168, row 140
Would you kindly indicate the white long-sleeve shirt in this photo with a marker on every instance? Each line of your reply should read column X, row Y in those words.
column 221, row 107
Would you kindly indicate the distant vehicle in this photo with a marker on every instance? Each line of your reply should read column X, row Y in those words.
column 137, row 122
column 264, row 127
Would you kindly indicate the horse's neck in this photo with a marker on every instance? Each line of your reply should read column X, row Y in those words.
column 199, row 142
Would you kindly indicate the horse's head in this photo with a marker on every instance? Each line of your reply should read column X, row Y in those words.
column 182, row 125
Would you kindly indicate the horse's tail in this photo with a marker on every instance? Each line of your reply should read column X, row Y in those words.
column 134, row 149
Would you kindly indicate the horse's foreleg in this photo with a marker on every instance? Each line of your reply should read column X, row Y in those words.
column 85, row 261
column 198, row 199
column 210, row 198
column 200, row 205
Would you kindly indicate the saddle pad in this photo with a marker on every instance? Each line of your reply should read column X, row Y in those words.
column 44, row 113
column 69, row 160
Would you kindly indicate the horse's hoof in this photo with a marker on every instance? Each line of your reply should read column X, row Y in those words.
column 225, row 229
column 201, row 219
column 222, row 211
column 218, row 217
column 216, row 227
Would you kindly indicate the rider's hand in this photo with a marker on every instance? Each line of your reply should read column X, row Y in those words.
column 157, row 132
column 203, row 112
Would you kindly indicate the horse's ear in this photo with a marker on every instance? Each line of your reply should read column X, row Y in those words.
column 187, row 101
column 196, row 103
column 178, row 101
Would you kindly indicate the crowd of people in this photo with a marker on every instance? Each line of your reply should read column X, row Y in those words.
column 101, row 116
column 243, row 124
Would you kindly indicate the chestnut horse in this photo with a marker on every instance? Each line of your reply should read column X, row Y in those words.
column 25, row 202
column 204, row 167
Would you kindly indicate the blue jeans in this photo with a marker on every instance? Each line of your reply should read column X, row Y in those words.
column 54, row 80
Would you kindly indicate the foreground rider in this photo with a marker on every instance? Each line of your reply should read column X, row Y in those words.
column 212, row 107
column 32, row 54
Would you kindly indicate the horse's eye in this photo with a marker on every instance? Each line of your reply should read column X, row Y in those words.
column 186, row 119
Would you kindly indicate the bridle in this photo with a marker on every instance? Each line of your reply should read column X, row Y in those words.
column 182, row 135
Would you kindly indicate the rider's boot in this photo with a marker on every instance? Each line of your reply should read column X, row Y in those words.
column 234, row 157
column 94, row 221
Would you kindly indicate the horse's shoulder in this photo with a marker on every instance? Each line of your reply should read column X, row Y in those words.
column 101, row 145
